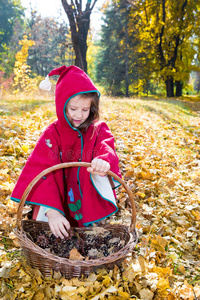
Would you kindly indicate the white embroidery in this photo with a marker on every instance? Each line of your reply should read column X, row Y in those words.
column 48, row 142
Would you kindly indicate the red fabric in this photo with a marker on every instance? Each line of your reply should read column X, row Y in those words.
column 59, row 143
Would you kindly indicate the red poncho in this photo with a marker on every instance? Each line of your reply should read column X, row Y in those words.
column 83, row 198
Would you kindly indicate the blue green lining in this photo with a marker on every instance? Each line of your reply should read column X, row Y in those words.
column 90, row 223
column 34, row 203
column 79, row 184
column 119, row 184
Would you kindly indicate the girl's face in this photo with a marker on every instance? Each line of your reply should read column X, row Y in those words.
column 78, row 110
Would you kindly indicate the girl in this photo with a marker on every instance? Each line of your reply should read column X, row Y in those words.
column 72, row 196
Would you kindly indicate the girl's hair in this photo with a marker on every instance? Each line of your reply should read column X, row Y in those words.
column 94, row 109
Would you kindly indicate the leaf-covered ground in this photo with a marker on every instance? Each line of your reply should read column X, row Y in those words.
column 158, row 143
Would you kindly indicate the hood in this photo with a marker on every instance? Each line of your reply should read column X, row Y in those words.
column 72, row 81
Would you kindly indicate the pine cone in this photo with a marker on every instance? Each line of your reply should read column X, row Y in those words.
column 43, row 240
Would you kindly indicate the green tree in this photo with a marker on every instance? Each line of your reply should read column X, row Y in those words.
column 10, row 11
column 112, row 62
column 52, row 44
column 11, row 31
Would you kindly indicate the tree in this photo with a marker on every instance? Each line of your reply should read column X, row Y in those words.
column 79, row 21
column 165, row 31
column 110, row 61
column 11, row 30
column 10, row 11
column 52, row 43
column 117, row 61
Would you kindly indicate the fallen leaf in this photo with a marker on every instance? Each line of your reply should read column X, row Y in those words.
column 146, row 294
column 75, row 255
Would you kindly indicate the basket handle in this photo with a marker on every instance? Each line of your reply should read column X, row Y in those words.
column 68, row 165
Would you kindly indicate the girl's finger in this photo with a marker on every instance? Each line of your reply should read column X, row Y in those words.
column 63, row 231
column 89, row 169
column 53, row 230
column 105, row 167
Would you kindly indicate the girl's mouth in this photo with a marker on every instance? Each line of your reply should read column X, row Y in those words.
column 77, row 121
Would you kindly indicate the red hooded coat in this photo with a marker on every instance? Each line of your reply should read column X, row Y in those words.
column 83, row 198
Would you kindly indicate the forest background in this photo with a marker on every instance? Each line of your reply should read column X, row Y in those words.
column 142, row 48
column 143, row 52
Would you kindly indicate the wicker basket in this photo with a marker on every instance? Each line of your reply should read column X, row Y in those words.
column 45, row 261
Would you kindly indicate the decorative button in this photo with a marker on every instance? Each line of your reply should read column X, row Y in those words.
column 79, row 135
column 77, row 182
column 79, row 159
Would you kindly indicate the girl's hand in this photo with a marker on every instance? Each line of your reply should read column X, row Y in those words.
column 58, row 223
column 99, row 167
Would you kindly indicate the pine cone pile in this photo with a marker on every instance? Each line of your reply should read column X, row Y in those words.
column 92, row 243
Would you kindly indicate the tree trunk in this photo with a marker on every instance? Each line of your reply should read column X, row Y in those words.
column 83, row 23
column 79, row 21
column 170, row 87
column 179, row 87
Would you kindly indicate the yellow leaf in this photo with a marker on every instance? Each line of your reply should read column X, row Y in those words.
column 25, row 276
column 106, row 280
column 163, row 286
column 196, row 214
column 159, row 243
column 12, row 207
column 25, row 148
column 109, row 290
column 124, row 295
column 141, row 195
column 39, row 296
column 162, row 272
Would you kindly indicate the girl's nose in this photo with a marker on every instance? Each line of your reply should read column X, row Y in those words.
column 79, row 114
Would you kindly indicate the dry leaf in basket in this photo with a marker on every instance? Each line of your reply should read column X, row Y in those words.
column 75, row 255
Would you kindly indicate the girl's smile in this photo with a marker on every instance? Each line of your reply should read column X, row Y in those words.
column 78, row 110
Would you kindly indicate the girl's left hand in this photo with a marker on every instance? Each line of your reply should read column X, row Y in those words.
column 99, row 167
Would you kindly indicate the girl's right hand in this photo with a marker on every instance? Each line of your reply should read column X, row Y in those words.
column 58, row 223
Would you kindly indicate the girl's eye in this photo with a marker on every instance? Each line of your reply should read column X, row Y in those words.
column 73, row 109
column 85, row 109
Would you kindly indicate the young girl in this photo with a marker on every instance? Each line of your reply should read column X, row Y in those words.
column 76, row 196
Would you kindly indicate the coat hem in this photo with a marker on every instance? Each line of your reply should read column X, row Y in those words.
column 106, row 199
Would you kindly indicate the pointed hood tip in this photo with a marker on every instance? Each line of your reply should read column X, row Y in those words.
column 58, row 71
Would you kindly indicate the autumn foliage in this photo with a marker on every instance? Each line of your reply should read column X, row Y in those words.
column 22, row 79
column 158, row 144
